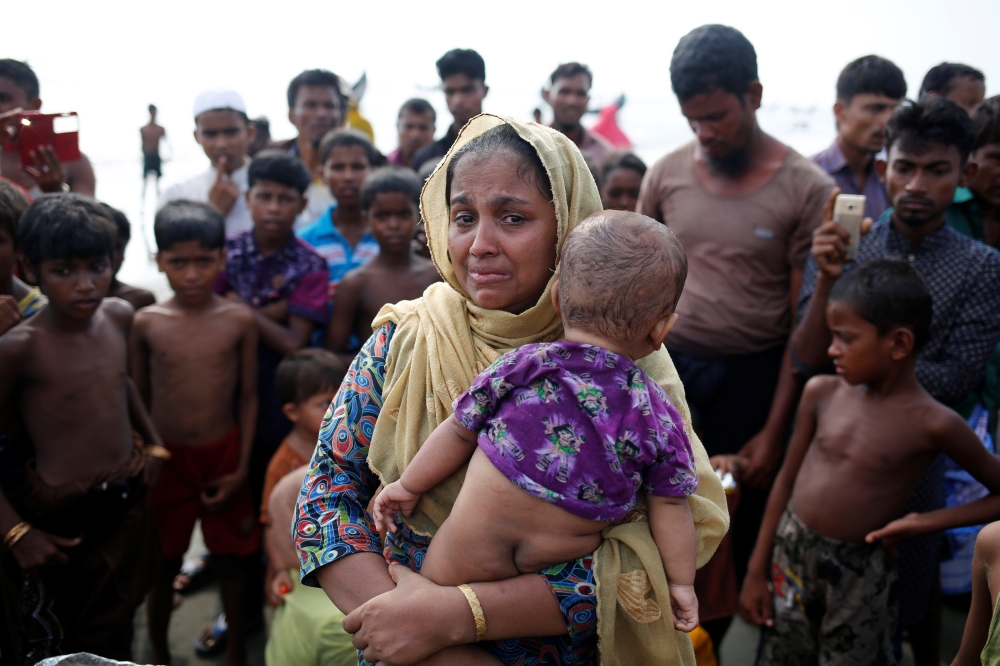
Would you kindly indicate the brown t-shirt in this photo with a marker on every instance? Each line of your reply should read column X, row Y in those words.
column 284, row 461
column 741, row 251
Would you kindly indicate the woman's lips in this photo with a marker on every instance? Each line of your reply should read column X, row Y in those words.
column 487, row 277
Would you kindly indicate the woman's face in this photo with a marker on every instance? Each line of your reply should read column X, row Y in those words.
column 502, row 235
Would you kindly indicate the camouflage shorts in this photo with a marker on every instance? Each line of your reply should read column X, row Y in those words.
column 834, row 601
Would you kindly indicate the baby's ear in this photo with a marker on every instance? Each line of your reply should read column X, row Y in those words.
column 661, row 329
column 555, row 296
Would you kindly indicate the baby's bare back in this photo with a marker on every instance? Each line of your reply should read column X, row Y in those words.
column 73, row 397
column 497, row 531
column 865, row 459
column 194, row 369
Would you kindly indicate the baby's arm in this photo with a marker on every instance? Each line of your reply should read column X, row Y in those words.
column 673, row 531
column 448, row 448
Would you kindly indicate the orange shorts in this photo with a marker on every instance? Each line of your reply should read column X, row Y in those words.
column 177, row 501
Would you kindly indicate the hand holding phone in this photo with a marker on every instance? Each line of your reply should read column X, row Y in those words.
column 37, row 130
column 848, row 211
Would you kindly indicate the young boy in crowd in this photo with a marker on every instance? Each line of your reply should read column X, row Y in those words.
column 390, row 206
column 621, row 178
column 569, row 432
column 190, row 390
column 342, row 235
column 307, row 382
column 862, row 441
column 139, row 298
column 283, row 280
column 77, row 529
column 17, row 300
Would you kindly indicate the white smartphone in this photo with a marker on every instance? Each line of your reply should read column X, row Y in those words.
column 848, row 211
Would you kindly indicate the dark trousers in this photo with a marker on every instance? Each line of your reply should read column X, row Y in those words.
column 730, row 399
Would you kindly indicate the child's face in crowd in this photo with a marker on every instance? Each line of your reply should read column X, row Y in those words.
column 316, row 112
column 274, row 208
column 620, row 190
column 985, row 183
column 393, row 219
column 308, row 415
column 75, row 287
column 225, row 136
column 191, row 269
column 859, row 353
column 344, row 172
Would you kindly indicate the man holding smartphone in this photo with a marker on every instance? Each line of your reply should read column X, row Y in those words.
column 744, row 205
column 19, row 90
column 868, row 90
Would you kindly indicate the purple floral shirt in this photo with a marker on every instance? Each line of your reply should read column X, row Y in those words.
column 580, row 427
column 295, row 272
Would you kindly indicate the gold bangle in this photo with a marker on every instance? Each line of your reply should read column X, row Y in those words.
column 477, row 611
column 15, row 534
column 158, row 452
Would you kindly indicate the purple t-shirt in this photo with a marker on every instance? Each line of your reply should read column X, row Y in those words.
column 580, row 427
column 295, row 272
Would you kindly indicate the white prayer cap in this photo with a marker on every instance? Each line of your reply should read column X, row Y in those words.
column 218, row 98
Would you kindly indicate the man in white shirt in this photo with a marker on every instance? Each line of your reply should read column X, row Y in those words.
column 225, row 133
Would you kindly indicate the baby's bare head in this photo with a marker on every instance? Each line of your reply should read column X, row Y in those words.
column 619, row 274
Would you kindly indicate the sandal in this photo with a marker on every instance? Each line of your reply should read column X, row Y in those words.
column 212, row 641
column 194, row 575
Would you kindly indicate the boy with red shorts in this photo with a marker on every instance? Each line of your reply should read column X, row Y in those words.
column 194, row 357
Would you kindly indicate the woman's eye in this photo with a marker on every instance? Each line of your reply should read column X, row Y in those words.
column 463, row 219
column 513, row 218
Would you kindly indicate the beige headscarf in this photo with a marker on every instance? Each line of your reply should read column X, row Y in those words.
column 443, row 340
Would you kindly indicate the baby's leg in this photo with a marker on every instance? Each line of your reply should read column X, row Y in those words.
column 497, row 531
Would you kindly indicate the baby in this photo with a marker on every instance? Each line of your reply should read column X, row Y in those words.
column 569, row 432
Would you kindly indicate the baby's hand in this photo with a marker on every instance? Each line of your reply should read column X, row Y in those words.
column 393, row 498
column 684, row 603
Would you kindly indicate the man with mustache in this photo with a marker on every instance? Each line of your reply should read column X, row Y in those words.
column 868, row 90
column 929, row 143
column 744, row 205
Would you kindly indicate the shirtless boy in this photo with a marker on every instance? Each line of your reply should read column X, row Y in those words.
column 137, row 296
column 77, row 518
column 191, row 390
column 390, row 204
column 981, row 638
column 569, row 432
column 861, row 443
column 17, row 300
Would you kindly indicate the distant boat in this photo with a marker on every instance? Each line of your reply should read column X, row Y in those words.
column 607, row 124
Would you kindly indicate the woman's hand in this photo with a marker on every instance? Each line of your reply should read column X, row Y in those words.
column 412, row 622
column 391, row 500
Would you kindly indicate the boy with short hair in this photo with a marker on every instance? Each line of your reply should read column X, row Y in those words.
column 139, row 298
column 307, row 382
column 390, row 206
column 962, row 84
column 342, row 235
column 283, row 280
column 862, row 442
column 191, row 391
column 17, row 300
column 76, row 524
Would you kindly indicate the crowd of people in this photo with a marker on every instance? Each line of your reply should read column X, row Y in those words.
column 474, row 401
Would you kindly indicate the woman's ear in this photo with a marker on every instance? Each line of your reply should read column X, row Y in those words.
column 903, row 343
column 555, row 296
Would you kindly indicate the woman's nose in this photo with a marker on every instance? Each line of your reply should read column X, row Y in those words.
column 485, row 241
